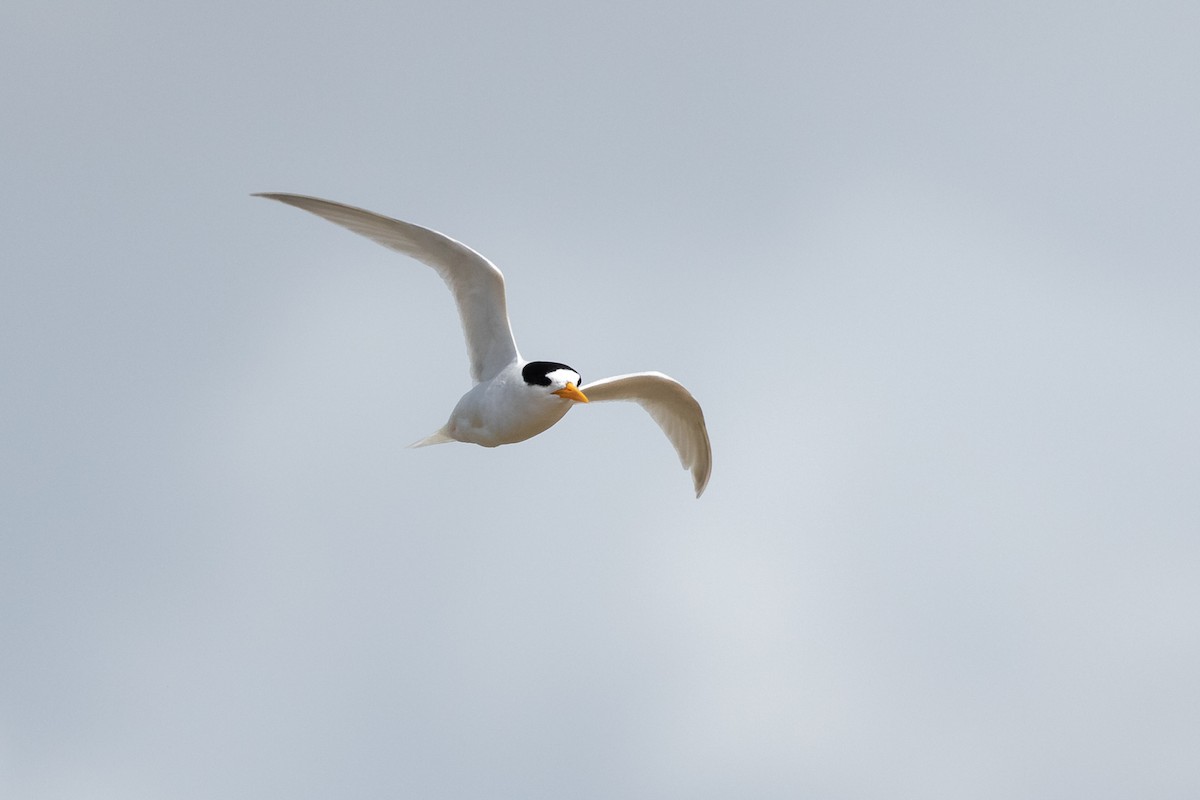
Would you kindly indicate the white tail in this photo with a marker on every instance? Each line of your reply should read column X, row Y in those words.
column 437, row 437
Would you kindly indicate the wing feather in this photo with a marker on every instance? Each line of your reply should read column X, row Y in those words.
column 672, row 407
column 475, row 282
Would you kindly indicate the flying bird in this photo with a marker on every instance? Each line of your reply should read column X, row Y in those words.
column 513, row 399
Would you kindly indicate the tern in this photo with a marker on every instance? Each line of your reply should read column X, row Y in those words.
column 513, row 399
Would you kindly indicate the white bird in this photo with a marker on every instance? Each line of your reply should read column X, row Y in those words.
column 514, row 399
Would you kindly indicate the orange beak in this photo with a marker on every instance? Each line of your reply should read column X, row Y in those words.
column 571, row 392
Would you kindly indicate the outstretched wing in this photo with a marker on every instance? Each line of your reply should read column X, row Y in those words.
column 672, row 407
column 476, row 283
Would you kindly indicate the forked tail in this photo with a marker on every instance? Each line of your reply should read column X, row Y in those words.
column 437, row 437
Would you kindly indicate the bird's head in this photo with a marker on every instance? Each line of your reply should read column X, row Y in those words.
column 555, row 378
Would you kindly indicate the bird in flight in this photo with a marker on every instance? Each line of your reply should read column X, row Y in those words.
column 514, row 399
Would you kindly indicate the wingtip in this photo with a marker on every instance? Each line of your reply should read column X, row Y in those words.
column 702, row 472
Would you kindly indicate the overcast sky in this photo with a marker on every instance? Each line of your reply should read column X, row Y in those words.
column 930, row 268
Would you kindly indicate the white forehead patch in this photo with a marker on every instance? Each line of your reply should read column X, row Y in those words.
column 561, row 377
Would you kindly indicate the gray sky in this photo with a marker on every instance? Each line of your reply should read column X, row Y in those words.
column 931, row 268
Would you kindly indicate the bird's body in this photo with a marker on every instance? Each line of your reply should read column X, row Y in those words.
column 514, row 399
column 503, row 410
